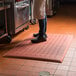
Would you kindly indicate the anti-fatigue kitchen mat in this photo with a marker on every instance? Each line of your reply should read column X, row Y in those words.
column 54, row 49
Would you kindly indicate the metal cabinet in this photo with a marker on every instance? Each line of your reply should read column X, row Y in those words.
column 3, row 22
column 14, row 17
column 18, row 15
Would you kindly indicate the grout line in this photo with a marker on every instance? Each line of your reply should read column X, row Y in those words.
column 70, row 62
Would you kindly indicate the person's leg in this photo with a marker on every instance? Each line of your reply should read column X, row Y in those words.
column 42, row 27
column 42, row 32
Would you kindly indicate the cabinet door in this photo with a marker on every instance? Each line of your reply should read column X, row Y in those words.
column 2, row 18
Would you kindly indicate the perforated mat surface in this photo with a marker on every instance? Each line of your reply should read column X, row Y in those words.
column 54, row 49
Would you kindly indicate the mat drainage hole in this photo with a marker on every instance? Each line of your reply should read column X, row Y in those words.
column 44, row 73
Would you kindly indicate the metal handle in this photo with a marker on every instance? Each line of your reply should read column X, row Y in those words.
column 4, row 7
column 22, row 6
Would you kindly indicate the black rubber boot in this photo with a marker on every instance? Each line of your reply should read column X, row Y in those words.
column 39, row 39
column 42, row 27
column 41, row 36
column 37, row 34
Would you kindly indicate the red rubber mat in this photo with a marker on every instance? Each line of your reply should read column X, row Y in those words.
column 54, row 49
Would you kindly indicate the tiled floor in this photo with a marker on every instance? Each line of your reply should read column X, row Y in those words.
column 63, row 22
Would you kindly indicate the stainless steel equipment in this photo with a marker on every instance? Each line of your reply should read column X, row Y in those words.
column 18, row 15
column 51, row 7
column 2, row 18
column 3, row 21
column 14, row 16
